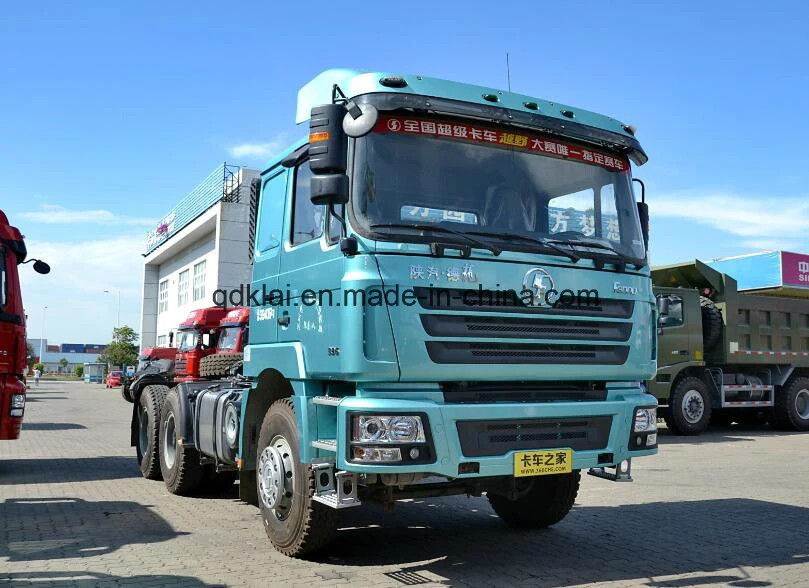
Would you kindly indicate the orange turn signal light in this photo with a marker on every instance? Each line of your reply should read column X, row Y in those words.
column 321, row 136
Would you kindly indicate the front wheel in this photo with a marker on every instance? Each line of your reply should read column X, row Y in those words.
column 294, row 522
column 689, row 407
column 545, row 503
column 791, row 411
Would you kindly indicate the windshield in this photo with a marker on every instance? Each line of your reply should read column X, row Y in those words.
column 480, row 179
column 187, row 340
column 228, row 338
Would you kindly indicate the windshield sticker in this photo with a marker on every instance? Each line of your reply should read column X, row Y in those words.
column 506, row 138
column 437, row 215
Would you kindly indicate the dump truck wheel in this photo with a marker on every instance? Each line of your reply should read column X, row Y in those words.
column 149, row 405
column 545, row 504
column 791, row 410
column 711, row 323
column 179, row 463
column 295, row 523
column 689, row 407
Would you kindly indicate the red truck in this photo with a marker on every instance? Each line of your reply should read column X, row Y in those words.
column 13, row 347
column 210, row 341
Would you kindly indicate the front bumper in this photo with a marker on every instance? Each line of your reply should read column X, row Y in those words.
column 448, row 453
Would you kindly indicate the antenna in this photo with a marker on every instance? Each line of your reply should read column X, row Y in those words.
column 508, row 72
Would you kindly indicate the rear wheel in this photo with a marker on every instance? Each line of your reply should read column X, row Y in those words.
column 791, row 410
column 179, row 463
column 294, row 522
column 547, row 502
column 149, row 405
column 689, row 407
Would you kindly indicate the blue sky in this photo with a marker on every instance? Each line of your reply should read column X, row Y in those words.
column 111, row 112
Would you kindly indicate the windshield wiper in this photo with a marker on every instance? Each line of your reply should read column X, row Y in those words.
column 430, row 227
column 572, row 255
column 600, row 245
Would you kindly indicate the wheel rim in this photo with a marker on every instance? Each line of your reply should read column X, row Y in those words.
column 276, row 477
column 802, row 404
column 143, row 430
column 693, row 406
column 169, row 442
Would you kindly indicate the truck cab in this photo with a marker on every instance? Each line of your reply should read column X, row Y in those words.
column 455, row 300
column 196, row 339
column 13, row 347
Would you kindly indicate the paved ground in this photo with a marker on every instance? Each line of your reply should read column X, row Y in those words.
column 728, row 508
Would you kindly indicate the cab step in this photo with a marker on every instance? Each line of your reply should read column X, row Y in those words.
column 327, row 400
column 325, row 444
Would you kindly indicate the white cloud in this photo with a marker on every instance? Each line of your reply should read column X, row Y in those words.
column 56, row 214
column 258, row 150
column 762, row 223
column 78, row 309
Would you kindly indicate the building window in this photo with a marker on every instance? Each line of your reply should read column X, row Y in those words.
column 199, row 280
column 182, row 288
column 766, row 342
column 766, row 317
column 744, row 316
column 787, row 320
column 746, row 344
column 787, row 343
column 161, row 341
column 163, row 296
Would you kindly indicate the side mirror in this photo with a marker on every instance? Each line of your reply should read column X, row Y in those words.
column 643, row 212
column 41, row 267
column 663, row 306
column 328, row 144
column 329, row 189
column 206, row 339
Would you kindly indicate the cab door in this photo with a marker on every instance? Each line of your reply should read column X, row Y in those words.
column 674, row 339
column 310, row 275
column 267, row 254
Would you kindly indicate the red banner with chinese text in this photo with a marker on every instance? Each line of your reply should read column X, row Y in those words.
column 519, row 139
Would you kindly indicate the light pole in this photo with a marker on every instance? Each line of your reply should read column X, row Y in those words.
column 42, row 336
column 118, row 315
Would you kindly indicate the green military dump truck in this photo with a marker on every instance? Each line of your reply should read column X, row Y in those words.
column 726, row 354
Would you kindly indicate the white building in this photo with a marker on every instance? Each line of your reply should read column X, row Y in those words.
column 202, row 245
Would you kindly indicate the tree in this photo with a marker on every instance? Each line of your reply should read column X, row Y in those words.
column 32, row 356
column 79, row 371
column 122, row 351
column 63, row 363
column 39, row 366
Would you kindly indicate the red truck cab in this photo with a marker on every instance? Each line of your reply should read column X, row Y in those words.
column 13, row 347
column 233, row 330
column 196, row 338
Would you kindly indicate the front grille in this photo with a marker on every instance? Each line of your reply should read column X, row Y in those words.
column 448, row 325
column 485, row 438
column 481, row 392
column 179, row 366
column 465, row 300
column 525, row 353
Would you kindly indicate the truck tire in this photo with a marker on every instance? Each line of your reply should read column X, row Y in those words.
column 711, row 323
column 791, row 411
column 545, row 504
column 148, row 445
column 218, row 364
column 296, row 524
column 179, row 463
column 689, row 407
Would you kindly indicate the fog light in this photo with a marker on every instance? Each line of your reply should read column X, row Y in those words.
column 651, row 440
column 16, row 412
column 414, row 453
column 377, row 454
column 17, row 401
column 645, row 420
column 623, row 467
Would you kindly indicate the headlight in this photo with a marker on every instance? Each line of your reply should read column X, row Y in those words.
column 387, row 429
column 645, row 420
column 18, row 401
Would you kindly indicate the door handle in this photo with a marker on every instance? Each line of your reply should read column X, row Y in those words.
column 284, row 320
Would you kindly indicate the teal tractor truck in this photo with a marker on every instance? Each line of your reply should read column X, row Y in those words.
column 450, row 295
column 729, row 355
